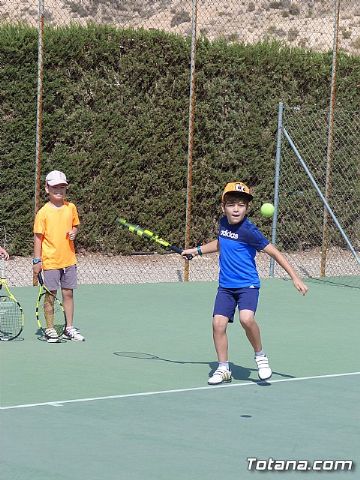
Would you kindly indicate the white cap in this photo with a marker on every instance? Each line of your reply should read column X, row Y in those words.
column 56, row 178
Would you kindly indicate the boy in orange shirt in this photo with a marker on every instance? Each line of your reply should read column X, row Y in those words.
column 55, row 228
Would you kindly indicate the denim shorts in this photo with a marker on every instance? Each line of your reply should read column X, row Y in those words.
column 227, row 299
column 61, row 278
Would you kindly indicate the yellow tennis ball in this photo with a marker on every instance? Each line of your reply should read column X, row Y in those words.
column 267, row 210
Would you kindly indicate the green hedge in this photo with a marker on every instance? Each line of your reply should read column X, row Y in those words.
column 116, row 121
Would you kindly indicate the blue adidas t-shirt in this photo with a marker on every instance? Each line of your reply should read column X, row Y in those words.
column 238, row 245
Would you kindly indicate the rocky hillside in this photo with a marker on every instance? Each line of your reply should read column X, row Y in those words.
column 305, row 23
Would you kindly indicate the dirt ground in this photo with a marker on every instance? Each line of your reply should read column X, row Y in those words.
column 105, row 269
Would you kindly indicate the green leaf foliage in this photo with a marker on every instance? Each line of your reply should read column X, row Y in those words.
column 115, row 120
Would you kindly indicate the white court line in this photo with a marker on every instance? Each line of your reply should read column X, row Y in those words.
column 59, row 403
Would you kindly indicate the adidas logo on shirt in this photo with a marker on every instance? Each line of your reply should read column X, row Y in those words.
column 229, row 234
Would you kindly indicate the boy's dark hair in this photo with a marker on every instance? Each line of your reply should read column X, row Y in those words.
column 237, row 195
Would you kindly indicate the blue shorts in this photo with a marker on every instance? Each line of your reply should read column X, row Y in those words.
column 62, row 277
column 227, row 299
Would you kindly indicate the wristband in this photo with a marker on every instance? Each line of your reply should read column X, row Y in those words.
column 198, row 248
column 35, row 261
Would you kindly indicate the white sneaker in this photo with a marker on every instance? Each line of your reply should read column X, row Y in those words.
column 51, row 335
column 72, row 333
column 264, row 370
column 220, row 376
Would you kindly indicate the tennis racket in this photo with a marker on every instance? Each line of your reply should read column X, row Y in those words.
column 50, row 313
column 11, row 313
column 149, row 235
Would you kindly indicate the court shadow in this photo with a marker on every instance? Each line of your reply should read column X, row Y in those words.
column 243, row 373
column 17, row 339
column 179, row 275
column 41, row 337
column 39, row 332
column 238, row 372
column 151, row 356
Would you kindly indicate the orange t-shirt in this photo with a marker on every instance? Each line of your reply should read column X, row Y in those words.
column 54, row 224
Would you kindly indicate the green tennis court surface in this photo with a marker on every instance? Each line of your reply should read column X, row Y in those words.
column 132, row 402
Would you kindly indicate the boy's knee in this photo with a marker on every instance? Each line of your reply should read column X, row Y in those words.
column 67, row 292
column 220, row 323
column 247, row 320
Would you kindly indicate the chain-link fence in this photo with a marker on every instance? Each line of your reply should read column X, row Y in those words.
column 321, row 25
column 318, row 244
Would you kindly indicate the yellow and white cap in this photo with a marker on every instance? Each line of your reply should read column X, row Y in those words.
column 56, row 178
column 237, row 187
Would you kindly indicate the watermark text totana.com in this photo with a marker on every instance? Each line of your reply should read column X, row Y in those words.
column 271, row 464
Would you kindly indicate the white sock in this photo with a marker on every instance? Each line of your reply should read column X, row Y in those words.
column 260, row 354
column 224, row 365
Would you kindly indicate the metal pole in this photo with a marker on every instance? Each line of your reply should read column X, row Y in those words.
column 277, row 181
column 330, row 141
column 39, row 114
column 190, row 134
column 39, row 107
column 323, row 198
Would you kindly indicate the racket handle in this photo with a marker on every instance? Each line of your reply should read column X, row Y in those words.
column 179, row 251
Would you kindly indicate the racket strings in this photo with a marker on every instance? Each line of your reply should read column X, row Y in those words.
column 10, row 317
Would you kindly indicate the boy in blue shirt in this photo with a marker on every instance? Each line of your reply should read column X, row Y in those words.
column 237, row 243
